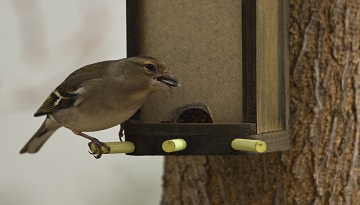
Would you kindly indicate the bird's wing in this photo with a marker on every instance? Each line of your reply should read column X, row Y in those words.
column 68, row 93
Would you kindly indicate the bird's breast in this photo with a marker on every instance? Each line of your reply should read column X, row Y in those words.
column 89, row 118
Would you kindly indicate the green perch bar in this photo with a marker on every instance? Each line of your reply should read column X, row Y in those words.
column 247, row 145
column 173, row 145
column 116, row 147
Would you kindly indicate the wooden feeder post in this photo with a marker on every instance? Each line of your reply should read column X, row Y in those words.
column 231, row 58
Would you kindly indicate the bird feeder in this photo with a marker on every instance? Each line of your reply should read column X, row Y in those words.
column 231, row 58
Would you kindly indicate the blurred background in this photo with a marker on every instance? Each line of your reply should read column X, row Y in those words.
column 42, row 42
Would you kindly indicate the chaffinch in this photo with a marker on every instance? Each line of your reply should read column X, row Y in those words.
column 100, row 96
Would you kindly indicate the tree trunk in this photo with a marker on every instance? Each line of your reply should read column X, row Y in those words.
column 322, row 167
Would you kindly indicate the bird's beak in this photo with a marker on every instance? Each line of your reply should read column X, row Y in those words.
column 166, row 81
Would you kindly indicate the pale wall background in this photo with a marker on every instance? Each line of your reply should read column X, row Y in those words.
column 42, row 41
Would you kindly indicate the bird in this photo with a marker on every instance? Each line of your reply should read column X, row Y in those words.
column 100, row 96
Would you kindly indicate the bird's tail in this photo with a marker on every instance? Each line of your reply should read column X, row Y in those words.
column 39, row 138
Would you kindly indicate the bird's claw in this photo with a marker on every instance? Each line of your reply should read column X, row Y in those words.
column 98, row 148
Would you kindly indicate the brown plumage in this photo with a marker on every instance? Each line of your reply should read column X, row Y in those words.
column 100, row 96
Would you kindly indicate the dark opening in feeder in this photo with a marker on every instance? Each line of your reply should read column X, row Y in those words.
column 232, row 61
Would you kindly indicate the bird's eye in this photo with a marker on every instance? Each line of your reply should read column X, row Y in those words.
column 150, row 67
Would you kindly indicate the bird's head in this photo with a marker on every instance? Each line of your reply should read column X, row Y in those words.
column 152, row 72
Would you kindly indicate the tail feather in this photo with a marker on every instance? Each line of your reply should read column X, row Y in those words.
column 41, row 136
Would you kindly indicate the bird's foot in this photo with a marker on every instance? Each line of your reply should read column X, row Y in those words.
column 121, row 132
column 98, row 151
column 122, row 125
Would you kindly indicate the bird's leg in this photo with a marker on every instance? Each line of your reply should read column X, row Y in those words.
column 122, row 125
column 97, row 144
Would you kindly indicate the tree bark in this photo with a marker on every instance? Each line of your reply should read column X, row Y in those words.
column 322, row 166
